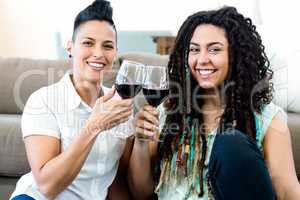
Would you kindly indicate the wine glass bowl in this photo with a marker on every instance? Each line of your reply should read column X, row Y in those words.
column 156, row 85
column 129, row 79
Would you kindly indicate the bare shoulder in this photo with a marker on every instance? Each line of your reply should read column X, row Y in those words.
column 277, row 138
column 279, row 158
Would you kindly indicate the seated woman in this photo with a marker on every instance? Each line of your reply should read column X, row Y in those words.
column 67, row 127
column 223, row 138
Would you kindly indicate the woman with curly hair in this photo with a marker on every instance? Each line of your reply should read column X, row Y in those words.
column 223, row 138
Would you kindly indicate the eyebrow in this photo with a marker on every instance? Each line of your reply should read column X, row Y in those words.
column 209, row 44
column 106, row 41
column 89, row 38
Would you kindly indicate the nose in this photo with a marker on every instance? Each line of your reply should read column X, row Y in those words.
column 203, row 58
column 98, row 52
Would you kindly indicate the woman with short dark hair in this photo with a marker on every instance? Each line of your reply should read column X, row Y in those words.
column 67, row 127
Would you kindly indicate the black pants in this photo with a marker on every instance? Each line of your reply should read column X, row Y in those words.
column 237, row 169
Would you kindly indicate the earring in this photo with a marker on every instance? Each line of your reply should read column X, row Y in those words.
column 70, row 56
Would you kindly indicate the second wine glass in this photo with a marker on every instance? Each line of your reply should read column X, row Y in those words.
column 155, row 87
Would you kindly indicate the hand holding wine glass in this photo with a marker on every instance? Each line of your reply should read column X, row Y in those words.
column 128, row 83
column 155, row 90
column 146, row 124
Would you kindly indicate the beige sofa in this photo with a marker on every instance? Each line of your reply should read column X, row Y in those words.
column 20, row 77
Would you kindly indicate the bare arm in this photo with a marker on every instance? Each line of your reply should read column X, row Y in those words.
column 54, row 170
column 140, row 178
column 279, row 159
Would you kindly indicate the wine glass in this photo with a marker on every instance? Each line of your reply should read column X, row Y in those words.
column 156, row 86
column 128, row 83
column 129, row 79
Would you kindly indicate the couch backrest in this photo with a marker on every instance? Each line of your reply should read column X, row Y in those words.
column 21, row 77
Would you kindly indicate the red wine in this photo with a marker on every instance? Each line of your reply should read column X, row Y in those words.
column 128, row 90
column 155, row 96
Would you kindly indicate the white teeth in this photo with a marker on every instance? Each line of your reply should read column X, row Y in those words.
column 206, row 71
column 97, row 65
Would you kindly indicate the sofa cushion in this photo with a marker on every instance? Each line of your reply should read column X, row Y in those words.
column 146, row 58
column 12, row 150
column 20, row 77
column 294, row 126
column 286, row 82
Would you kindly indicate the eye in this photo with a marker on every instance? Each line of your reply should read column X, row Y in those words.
column 214, row 50
column 194, row 49
column 108, row 46
column 87, row 43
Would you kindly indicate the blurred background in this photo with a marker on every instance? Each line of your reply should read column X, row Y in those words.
column 40, row 29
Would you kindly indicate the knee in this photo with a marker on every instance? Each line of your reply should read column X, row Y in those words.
column 236, row 160
column 235, row 149
column 234, row 143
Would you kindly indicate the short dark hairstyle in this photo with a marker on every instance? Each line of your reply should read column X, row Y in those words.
column 100, row 10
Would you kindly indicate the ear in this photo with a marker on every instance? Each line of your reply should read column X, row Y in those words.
column 69, row 48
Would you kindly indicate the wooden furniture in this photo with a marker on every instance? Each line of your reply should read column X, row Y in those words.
column 164, row 44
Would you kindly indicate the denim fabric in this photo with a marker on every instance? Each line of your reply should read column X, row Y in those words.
column 22, row 197
column 237, row 169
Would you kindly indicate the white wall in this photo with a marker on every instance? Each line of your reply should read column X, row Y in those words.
column 28, row 27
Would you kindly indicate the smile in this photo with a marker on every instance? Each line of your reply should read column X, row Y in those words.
column 96, row 66
column 206, row 72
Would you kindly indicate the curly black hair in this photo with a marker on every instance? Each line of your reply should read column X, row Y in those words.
column 246, row 89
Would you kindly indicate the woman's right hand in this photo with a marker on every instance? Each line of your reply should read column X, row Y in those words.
column 108, row 112
column 144, row 150
column 146, row 123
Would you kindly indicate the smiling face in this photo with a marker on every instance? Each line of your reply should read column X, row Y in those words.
column 208, row 56
column 93, row 50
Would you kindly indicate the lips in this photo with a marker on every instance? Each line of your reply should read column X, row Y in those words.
column 206, row 72
column 96, row 65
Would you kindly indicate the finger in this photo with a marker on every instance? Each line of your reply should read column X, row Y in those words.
column 114, row 107
column 119, row 110
column 143, row 133
column 123, row 115
column 146, row 125
column 121, row 103
column 151, row 110
column 119, row 120
column 148, row 116
column 122, row 120
column 126, row 102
